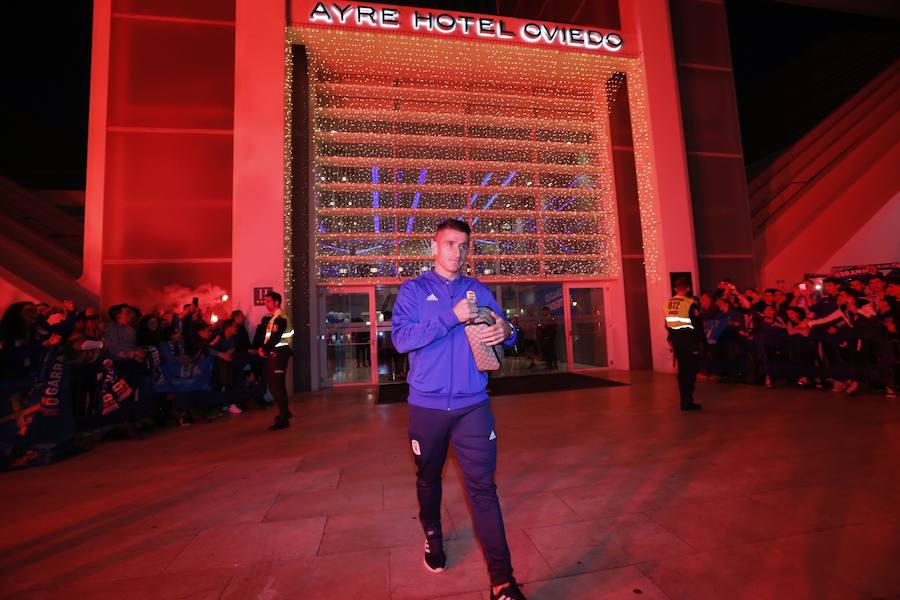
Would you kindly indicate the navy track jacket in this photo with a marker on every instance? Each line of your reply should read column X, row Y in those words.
column 442, row 371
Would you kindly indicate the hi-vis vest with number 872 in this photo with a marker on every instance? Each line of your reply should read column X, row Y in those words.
column 678, row 313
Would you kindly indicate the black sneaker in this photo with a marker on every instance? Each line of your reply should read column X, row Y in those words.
column 435, row 560
column 510, row 592
column 692, row 406
column 279, row 425
column 278, row 416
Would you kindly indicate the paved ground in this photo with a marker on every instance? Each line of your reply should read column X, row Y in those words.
column 607, row 493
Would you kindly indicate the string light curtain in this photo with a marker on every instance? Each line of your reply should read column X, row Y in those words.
column 409, row 130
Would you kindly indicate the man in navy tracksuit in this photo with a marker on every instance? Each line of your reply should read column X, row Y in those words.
column 448, row 401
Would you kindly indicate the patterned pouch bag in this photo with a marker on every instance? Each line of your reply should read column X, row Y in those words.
column 487, row 358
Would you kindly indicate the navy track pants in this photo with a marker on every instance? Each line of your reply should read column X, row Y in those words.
column 471, row 430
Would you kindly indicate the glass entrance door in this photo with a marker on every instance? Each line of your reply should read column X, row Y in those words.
column 348, row 334
column 392, row 366
column 586, row 325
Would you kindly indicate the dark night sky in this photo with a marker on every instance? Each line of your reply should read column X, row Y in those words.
column 793, row 66
column 44, row 105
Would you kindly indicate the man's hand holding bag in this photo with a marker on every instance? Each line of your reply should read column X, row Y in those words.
column 483, row 335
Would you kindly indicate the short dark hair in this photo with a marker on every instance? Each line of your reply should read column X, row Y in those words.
column 275, row 296
column 455, row 225
column 115, row 310
column 681, row 284
column 235, row 313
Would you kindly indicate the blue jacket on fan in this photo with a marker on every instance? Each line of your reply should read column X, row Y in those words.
column 442, row 371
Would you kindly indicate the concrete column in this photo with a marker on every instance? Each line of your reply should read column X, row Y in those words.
column 661, row 162
column 96, row 148
column 258, row 201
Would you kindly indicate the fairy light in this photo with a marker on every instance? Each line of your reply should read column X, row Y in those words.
column 536, row 138
column 287, row 200
column 644, row 171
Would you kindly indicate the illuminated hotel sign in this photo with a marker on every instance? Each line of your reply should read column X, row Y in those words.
column 423, row 21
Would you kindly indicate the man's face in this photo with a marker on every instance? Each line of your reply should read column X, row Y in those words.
column 450, row 248
column 123, row 317
column 857, row 285
column 876, row 285
column 768, row 297
column 238, row 319
column 829, row 288
column 893, row 289
column 271, row 305
column 780, row 297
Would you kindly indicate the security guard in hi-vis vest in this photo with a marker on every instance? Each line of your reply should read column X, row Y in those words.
column 685, row 330
column 276, row 349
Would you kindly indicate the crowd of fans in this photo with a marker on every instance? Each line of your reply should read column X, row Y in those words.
column 135, row 369
column 140, row 369
column 831, row 333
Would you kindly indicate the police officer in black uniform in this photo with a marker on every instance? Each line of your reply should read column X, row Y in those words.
column 685, row 331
